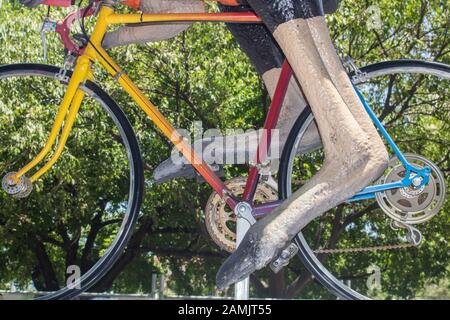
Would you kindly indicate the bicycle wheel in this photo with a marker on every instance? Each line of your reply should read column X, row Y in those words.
column 411, row 98
column 81, row 213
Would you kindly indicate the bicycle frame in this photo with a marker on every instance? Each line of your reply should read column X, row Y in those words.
column 95, row 53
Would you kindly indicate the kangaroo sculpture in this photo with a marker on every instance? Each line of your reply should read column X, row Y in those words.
column 354, row 153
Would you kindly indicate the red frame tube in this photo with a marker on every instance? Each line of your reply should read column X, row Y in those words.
column 269, row 125
column 253, row 178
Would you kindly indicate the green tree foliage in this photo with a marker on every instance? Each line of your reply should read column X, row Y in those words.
column 200, row 75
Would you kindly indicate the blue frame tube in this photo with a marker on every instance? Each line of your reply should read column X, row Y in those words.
column 369, row 192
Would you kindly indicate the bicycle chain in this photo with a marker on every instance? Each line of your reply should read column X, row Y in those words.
column 365, row 249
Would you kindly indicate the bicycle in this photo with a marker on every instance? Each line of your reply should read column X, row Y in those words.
column 410, row 174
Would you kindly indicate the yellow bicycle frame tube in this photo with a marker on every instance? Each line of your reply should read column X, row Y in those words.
column 72, row 99
column 82, row 71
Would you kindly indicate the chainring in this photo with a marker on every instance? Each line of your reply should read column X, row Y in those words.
column 412, row 205
column 220, row 220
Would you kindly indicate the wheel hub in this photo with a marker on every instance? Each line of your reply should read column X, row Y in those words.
column 18, row 189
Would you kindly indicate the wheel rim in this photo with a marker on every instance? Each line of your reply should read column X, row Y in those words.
column 307, row 256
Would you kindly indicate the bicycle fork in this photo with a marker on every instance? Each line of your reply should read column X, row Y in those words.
column 16, row 183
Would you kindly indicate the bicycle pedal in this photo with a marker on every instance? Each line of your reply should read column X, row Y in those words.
column 284, row 258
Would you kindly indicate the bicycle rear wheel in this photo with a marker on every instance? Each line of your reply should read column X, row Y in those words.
column 411, row 98
column 66, row 226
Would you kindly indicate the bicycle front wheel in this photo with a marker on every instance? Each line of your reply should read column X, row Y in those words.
column 354, row 250
column 68, row 233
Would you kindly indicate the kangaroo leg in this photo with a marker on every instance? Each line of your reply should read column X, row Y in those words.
column 354, row 153
column 142, row 33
